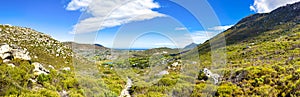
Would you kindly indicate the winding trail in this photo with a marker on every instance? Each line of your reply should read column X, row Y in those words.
column 125, row 91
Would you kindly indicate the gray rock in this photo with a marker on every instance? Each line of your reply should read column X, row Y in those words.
column 12, row 65
column 162, row 73
column 8, row 52
column 66, row 69
column 39, row 69
column 209, row 74
column 63, row 93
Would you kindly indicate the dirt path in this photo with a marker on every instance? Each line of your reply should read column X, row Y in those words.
column 125, row 91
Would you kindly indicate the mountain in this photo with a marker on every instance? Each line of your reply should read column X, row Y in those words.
column 74, row 45
column 262, row 56
column 190, row 46
column 262, row 59
column 260, row 27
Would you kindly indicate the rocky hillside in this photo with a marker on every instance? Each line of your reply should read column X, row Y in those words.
column 261, row 27
column 262, row 55
column 42, row 47
column 34, row 64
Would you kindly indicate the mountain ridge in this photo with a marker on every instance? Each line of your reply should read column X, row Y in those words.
column 255, row 25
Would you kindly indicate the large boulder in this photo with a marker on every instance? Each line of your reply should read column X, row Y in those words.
column 8, row 53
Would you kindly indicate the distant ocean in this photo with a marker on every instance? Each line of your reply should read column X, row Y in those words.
column 132, row 49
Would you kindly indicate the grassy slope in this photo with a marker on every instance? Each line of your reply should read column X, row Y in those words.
column 262, row 56
column 45, row 50
column 263, row 59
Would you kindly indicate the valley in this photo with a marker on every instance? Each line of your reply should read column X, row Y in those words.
column 262, row 58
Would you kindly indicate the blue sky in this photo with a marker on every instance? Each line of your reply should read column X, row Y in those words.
column 164, row 23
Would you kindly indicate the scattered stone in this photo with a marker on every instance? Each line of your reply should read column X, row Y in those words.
column 193, row 62
column 63, row 93
column 12, row 65
column 66, row 69
column 209, row 74
column 248, row 47
column 8, row 53
column 5, row 48
column 32, row 80
column 164, row 52
column 175, row 64
column 6, row 60
column 162, row 73
column 39, row 69
column 50, row 66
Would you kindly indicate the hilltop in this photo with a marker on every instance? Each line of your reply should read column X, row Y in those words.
column 190, row 46
column 91, row 52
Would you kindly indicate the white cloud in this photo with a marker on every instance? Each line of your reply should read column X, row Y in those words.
column 180, row 28
column 265, row 6
column 202, row 36
column 220, row 28
column 111, row 13
column 78, row 4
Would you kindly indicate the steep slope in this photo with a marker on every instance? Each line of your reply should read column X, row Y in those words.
column 34, row 64
column 263, row 56
column 260, row 27
column 190, row 46
column 42, row 47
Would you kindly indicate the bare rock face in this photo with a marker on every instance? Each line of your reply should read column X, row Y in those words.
column 10, row 52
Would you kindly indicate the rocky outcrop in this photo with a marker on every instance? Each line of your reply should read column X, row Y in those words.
column 8, row 53
column 34, row 41
column 39, row 69
column 209, row 74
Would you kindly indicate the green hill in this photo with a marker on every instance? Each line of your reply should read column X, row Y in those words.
column 262, row 53
column 262, row 59
column 48, row 71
